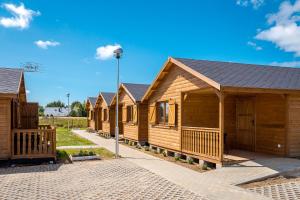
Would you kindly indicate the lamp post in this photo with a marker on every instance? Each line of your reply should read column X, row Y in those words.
column 68, row 95
column 117, row 53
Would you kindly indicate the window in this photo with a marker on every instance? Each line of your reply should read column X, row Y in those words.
column 163, row 112
column 105, row 115
column 129, row 113
column 92, row 115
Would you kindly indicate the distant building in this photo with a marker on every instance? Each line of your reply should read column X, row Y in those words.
column 56, row 112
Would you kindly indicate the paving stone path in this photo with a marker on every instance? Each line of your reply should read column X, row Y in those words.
column 283, row 191
column 109, row 179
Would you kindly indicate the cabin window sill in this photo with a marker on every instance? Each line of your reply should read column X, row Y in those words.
column 163, row 126
column 130, row 124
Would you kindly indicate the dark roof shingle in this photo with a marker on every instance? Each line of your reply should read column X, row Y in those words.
column 108, row 96
column 136, row 90
column 92, row 100
column 246, row 75
column 10, row 80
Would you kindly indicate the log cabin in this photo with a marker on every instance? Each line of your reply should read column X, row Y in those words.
column 105, row 119
column 133, row 120
column 203, row 108
column 91, row 113
column 21, row 136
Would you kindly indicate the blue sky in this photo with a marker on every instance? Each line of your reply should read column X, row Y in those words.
column 63, row 36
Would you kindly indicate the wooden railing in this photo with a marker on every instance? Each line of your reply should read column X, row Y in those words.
column 34, row 143
column 204, row 142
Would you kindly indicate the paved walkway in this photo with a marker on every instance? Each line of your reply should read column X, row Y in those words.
column 93, row 180
column 216, row 184
column 282, row 191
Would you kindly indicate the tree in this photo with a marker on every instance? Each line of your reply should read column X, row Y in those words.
column 73, row 113
column 76, row 105
column 78, row 109
column 83, row 111
column 41, row 111
column 56, row 104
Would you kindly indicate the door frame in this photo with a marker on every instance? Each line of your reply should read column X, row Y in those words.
column 253, row 99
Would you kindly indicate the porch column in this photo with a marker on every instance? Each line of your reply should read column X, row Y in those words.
column 221, row 124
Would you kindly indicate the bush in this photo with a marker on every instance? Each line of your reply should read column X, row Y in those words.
column 190, row 160
column 75, row 122
column 204, row 166
column 165, row 153
column 146, row 148
column 177, row 158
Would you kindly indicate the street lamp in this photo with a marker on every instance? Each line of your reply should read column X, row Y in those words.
column 117, row 53
column 68, row 95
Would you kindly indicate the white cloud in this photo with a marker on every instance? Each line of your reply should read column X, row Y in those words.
column 21, row 17
column 106, row 52
column 46, row 44
column 27, row 91
column 254, row 45
column 254, row 3
column 284, row 31
column 286, row 64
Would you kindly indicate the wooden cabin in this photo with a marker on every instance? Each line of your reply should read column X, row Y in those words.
column 106, row 119
column 133, row 120
column 92, row 113
column 21, row 136
column 203, row 108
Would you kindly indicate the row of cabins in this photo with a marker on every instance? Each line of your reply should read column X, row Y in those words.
column 205, row 108
column 21, row 136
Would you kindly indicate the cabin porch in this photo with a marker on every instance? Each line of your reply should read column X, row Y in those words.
column 34, row 143
column 29, row 139
column 214, row 124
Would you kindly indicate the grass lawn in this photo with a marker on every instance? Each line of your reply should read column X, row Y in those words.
column 67, row 138
column 102, row 152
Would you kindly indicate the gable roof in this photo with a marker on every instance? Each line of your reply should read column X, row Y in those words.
column 136, row 91
column 229, row 74
column 234, row 75
column 107, row 96
column 10, row 80
column 92, row 100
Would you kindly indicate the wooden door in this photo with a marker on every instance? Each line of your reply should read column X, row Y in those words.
column 29, row 115
column 99, row 119
column 121, row 125
column 245, row 116
column 5, row 129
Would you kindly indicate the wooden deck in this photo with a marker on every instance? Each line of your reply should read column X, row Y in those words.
column 34, row 143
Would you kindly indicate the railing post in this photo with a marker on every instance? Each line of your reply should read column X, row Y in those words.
column 221, row 125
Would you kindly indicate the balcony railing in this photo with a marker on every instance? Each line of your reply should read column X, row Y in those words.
column 203, row 142
column 34, row 143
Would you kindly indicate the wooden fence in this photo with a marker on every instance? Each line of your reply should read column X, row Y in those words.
column 34, row 143
column 204, row 142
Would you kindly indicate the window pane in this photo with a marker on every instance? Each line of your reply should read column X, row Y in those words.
column 161, row 110
column 105, row 115
column 167, row 111
column 129, row 113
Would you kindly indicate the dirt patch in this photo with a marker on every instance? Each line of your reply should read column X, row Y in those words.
column 193, row 166
column 271, row 181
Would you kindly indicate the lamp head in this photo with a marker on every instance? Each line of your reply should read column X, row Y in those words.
column 118, row 53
